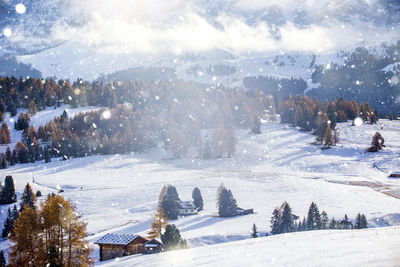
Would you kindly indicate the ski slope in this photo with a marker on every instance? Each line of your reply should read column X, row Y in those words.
column 119, row 193
column 368, row 247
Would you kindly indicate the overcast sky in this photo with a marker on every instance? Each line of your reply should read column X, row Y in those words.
column 103, row 28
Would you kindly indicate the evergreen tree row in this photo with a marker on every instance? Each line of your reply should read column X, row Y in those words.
column 284, row 221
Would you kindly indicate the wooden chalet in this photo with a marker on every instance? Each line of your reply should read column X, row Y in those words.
column 240, row 211
column 187, row 208
column 153, row 246
column 119, row 245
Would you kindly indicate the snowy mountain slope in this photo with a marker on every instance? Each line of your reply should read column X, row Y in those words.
column 369, row 247
column 120, row 192
column 279, row 66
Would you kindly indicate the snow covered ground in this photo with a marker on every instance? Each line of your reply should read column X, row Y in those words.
column 119, row 193
column 368, row 247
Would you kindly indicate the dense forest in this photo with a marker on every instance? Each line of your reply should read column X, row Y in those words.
column 139, row 115
column 9, row 66
column 365, row 76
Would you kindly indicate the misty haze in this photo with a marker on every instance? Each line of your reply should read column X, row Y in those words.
column 199, row 133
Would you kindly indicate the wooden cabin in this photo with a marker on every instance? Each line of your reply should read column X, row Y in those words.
column 119, row 245
column 187, row 208
column 240, row 211
column 153, row 246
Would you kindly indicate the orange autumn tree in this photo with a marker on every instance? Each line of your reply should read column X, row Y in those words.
column 51, row 236
column 28, row 248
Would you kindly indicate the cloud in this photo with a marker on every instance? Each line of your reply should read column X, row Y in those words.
column 178, row 26
column 149, row 26
column 104, row 33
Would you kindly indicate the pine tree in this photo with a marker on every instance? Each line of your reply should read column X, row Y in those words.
column 254, row 233
column 231, row 141
column 358, row 222
column 377, row 143
column 32, row 108
column 328, row 137
column 219, row 141
column 47, row 157
column 313, row 218
column 226, row 203
column 361, row 222
column 207, row 151
column 28, row 197
column 169, row 202
column 197, row 198
column 4, row 163
column 9, row 155
column 345, row 223
column 256, row 128
column 172, row 238
column 5, row 134
column 23, row 153
column 8, row 224
column 324, row 220
column 364, row 222
column 2, row 259
column 321, row 124
column 8, row 195
column 304, row 224
column 275, row 222
column 159, row 223
column 286, row 219
column 333, row 223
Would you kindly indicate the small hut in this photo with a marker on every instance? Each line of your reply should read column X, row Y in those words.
column 187, row 208
column 240, row 211
column 152, row 246
column 119, row 245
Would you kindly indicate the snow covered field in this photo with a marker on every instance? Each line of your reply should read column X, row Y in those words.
column 119, row 193
column 368, row 247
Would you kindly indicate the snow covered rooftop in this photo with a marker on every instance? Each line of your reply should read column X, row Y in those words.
column 116, row 239
column 186, row 205
column 151, row 245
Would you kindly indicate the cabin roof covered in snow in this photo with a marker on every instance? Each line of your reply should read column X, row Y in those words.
column 116, row 239
column 186, row 205
column 152, row 243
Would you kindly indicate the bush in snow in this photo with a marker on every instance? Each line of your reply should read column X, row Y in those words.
column 377, row 143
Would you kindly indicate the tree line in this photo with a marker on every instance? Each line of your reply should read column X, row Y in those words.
column 140, row 115
column 364, row 76
column 309, row 114
column 284, row 221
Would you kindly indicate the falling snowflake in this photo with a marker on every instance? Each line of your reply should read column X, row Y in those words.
column 7, row 32
column 20, row 8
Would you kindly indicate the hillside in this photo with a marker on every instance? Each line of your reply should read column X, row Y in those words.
column 279, row 164
column 369, row 247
